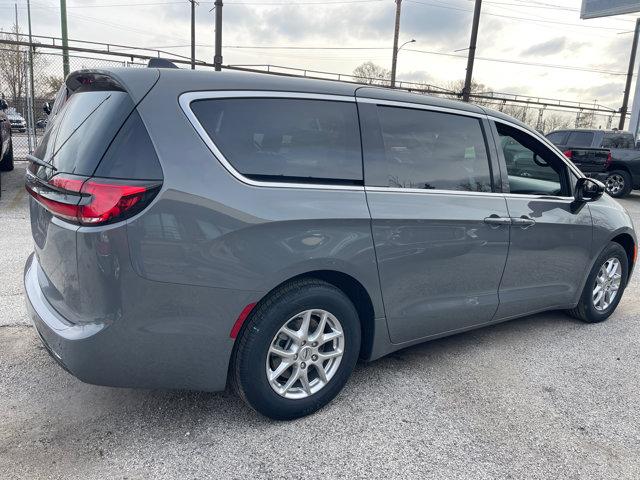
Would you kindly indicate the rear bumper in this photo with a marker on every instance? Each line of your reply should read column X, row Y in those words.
column 70, row 345
column 132, row 352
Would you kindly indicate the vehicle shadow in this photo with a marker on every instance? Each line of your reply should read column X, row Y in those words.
column 188, row 410
column 50, row 413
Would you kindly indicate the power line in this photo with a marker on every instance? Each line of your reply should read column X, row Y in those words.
column 428, row 52
column 153, row 4
column 510, row 17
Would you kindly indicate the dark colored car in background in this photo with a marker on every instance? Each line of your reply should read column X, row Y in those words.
column 592, row 162
column 195, row 228
column 623, row 170
column 6, row 145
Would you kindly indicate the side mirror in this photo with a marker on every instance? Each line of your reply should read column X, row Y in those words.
column 47, row 108
column 3, row 104
column 588, row 190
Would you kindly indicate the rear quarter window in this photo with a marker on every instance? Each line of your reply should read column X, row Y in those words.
column 580, row 139
column 557, row 138
column 618, row 140
column 301, row 140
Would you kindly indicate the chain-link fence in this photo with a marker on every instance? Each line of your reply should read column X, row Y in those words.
column 26, row 114
column 28, row 118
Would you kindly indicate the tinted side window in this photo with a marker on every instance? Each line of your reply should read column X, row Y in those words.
column 617, row 140
column 131, row 154
column 531, row 167
column 557, row 138
column 286, row 139
column 432, row 150
column 580, row 139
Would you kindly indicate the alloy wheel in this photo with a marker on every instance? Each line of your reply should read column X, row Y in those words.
column 615, row 184
column 305, row 354
column 607, row 284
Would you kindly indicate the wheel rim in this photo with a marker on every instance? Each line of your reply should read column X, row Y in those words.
column 607, row 284
column 305, row 354
column 615, row 183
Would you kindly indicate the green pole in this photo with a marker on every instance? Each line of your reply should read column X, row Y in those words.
column 65, row 37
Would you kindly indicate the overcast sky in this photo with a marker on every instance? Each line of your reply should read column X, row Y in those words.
column 539, row 32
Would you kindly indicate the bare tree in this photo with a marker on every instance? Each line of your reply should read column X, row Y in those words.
column 524, row 113
column 13, row 67
column 49, row 85
column 372, row 74
column 456, row 86
column 555, row 121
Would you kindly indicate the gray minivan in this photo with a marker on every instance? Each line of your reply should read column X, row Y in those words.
column 197, row 228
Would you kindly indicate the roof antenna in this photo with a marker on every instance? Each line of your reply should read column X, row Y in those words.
column 161, row 63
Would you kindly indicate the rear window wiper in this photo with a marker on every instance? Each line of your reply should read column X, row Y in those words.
column 40, row 162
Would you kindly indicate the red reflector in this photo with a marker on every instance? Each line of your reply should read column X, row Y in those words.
column 608, row 162
column 568, row 153
column 240, row 321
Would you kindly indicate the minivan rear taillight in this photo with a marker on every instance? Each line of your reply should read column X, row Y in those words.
column 91, row 201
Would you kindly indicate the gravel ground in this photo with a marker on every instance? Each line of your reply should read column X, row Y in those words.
column 541, row 397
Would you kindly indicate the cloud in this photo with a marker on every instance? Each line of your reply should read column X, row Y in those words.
column 550, row 47
column 609, row 94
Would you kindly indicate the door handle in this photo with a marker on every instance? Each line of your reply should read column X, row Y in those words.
column 523, row 222
column 495, row 221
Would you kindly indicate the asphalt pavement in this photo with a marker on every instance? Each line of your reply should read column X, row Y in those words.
column 537, row 398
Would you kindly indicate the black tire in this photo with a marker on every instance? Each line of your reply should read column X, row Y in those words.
column 6, row 164
column 248, row 369
column 586, row 310
column 622, row 186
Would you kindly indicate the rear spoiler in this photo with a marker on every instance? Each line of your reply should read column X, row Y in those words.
column 93, row 80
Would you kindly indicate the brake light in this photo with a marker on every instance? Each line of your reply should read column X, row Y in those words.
column 607, row 164
column 568, row 154
column 108, row 201
column 92, row 201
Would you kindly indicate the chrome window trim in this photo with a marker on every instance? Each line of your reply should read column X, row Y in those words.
column 465, row 192
column 185, row 103
column 186, row 98
column 420, row 106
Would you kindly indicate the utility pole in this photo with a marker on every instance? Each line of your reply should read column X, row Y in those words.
column 627, row 87
column 217, row 58
column 193, row 34
column 65, row 37
column 396, row 33
column 466, row 91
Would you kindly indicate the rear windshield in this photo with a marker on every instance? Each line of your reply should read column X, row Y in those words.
column 83, row 129
column 286, row 139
